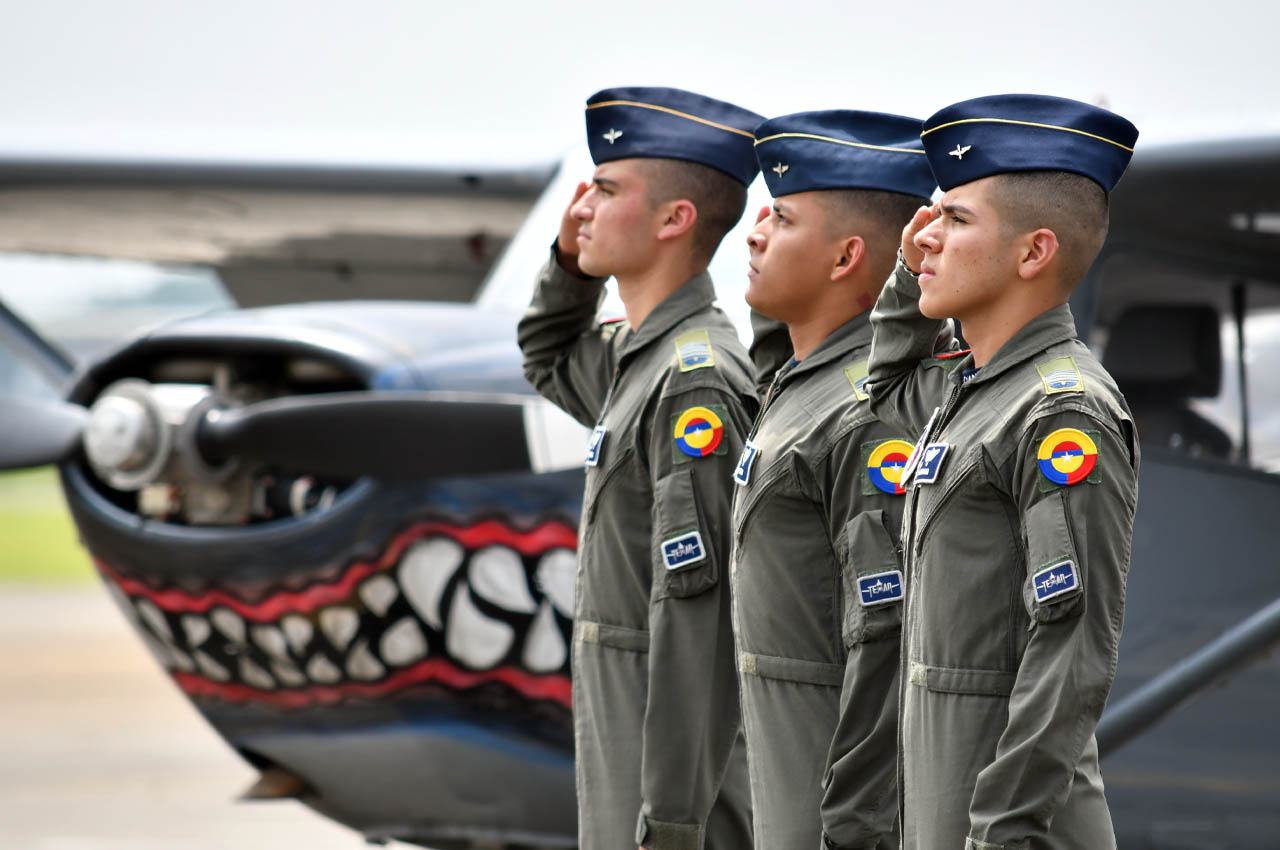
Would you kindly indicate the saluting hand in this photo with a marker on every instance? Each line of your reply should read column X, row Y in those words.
column 567, row 241
column 912, row 255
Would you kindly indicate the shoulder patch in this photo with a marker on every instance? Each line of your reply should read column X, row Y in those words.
column 1068, row 456
column 698, row 432
column 683, row 550
column 880, row 588
column 1054, row 580
column 693, row 350
column 1061, row 375
column 857, row 375
column 883, row 464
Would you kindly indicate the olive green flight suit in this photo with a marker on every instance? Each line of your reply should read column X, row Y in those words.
column 1017, row 532
column 817, row 663
column 656, row 717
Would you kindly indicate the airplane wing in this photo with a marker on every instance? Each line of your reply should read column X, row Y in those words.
column 275, row 232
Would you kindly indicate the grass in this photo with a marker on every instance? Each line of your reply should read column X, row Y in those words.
column 38, row 540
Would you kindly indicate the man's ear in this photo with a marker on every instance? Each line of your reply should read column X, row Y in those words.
column 676, row 218
column 851, row 252
column 1036, row 250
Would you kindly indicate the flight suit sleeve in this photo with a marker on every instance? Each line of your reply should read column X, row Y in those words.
column 1075, row 480
column 770, row 349
column 692, row 715
column 904, row 389
column 568, row 356
column 859, row 804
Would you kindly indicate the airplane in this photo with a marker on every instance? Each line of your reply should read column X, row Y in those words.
column 346, row 529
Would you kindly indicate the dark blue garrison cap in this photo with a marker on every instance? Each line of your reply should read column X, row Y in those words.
column 1027, row 132
column 642, row 121
column 843, row 149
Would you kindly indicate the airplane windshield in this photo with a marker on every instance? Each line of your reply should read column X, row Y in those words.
column 84, row 305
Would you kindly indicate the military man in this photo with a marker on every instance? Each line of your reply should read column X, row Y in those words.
column 670, row 395
column 1021, row 487
column 816, row 581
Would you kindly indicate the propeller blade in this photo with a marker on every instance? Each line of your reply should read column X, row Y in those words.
column 36, row 432
column 388, row 435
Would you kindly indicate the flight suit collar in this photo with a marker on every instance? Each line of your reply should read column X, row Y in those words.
column 694, row 296
column 1049, row 328
column 852, row 335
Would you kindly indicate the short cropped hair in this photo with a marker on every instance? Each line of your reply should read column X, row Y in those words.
column 877, row 216
column 1073, row 206
column 719, row 199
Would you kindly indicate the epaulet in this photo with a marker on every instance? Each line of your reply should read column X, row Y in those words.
column 857, row 375
column 948, row 360
column 694, row 351
column 1060, row 375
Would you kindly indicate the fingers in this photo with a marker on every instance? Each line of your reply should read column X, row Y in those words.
column 763, row 214
column 911, row 254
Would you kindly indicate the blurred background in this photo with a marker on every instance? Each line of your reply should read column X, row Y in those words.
column 391, row 149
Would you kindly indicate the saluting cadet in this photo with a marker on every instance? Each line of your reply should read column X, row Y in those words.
column 816, row 581
column 1022, row 485
column 670, row 393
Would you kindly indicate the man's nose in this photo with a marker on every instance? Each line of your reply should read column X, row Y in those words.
column 928, row 238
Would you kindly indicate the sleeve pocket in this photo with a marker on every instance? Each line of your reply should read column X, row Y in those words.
column 1054, row 586
column 685, row 565
column 873, row 581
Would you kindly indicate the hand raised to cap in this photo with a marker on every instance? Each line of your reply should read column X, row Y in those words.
column 911, row 254
column 567, row 241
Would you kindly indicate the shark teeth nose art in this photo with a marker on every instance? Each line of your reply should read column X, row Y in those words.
column 457, row 606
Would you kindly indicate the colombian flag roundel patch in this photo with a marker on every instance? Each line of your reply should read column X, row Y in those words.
column 885, row 465
column 1067, row 456
column 698, row 431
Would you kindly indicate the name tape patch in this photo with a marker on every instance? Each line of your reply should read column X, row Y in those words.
column 742, row 473
column 683, row 550
column 595, row 445
column 1055, row 580
column 880, row 588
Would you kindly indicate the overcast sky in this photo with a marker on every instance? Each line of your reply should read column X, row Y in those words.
column 504, row 82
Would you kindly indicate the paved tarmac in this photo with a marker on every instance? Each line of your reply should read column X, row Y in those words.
column 100, row 751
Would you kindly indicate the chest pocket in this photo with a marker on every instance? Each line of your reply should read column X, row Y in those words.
column 599, row 478
column 959, row 473
column 873, row 582
column 685, row 563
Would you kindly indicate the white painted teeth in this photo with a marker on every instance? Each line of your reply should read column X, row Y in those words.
column 321, row 670
column 339, row 625
column 497, row 574
column 197, row 629
column 473, row 638
column 544, row 648
column 298, row 630
column 425, row 569
column 362, row 665
column 255, row 676
column 287, row 673
column 557, row 572
column 403, row 643
column 154, row 618
column 229, row 623
column 211, row 668
column 223, row 646
column 272, row 641
column 378, row 592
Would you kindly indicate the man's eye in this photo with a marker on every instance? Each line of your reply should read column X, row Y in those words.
column 957, row 219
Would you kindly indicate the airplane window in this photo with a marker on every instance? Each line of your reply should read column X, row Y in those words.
column 1262, row 357
column 87, row 304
